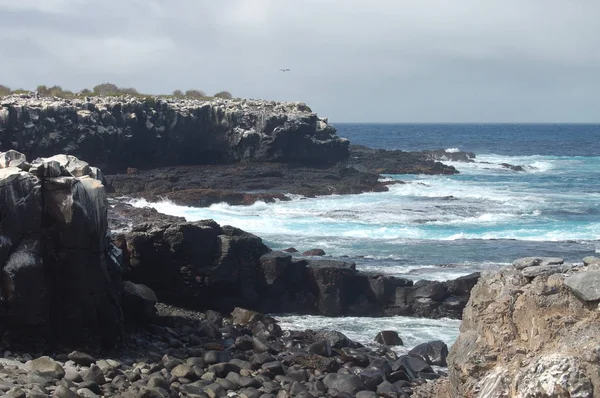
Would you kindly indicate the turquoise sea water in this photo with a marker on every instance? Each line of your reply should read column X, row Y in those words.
column 440, row 227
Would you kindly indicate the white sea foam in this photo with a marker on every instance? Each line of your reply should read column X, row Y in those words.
column 413, row 331
column 452, row 150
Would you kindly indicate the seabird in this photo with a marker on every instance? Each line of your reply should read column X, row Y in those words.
column 284, row 70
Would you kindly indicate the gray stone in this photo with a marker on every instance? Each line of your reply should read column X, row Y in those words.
column 76, row 167
column 64, row 392
column 546, row 270
column 433, row 352
column 213, row 357
column 94, row 374
column 350, row 384
column 586, row 285
column 322, row 348
column 82, row 358
column 366, row 394
column 250, row 392
column 591, row 260
column 10, row 156
column 185, row 371
column 525, row 262
column 47, row 366
column 85, row 393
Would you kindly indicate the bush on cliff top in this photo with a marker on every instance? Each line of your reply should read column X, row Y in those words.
column 109, row 89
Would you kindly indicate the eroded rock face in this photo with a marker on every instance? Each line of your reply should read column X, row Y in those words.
column 203, row 265
column 58, row 277
column 527, row 336
column 117, row 133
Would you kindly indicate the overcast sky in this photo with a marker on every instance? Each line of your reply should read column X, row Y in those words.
column 350, row 60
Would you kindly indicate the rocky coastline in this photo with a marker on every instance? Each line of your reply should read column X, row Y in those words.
column 133, row 303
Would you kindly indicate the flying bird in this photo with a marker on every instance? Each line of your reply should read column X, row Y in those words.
column 284, row 70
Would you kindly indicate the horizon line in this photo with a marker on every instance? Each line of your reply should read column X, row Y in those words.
column 474, row 123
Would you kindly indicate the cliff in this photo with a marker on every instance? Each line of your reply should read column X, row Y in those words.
column 60, row 276
column 529, row 331
column 116, row 133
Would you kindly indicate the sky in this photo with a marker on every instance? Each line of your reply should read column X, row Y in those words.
column 349, row 60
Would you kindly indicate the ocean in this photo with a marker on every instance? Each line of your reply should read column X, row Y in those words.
column 442, row 227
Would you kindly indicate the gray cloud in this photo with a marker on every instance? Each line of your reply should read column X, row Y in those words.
column 351, row 60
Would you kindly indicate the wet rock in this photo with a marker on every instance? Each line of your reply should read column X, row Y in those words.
column 335, row 338
column 433, row 352
column 389, row 337
column 314, row 253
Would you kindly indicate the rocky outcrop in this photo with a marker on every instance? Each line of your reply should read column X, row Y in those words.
column 207, row 266
column 117, row 133
column 381, row 161
column 60, row 276
column 529, row 335
column 242, row 184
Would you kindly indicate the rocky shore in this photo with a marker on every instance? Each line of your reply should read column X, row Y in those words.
column 203, row 152
column 531, row 330
column 528, row 331
column 203, row 265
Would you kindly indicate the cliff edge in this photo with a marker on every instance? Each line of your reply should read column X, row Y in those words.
column 115, row 133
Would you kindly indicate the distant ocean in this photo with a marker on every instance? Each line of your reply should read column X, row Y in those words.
column 442, row 227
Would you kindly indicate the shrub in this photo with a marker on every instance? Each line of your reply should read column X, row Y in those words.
column 4, row 90
column 224, row 95
column 43, row 90
column 195, row 94
column 178, row 94
column 128, row 91
column 86, row 92
column 106, row 89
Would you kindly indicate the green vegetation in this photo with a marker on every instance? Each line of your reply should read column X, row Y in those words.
column 109, row 89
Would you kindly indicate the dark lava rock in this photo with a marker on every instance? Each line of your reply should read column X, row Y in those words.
column 388, row 337
column 350, row 384
column 314, row 252
column 433, row 352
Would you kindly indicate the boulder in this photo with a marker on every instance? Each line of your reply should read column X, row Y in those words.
column 525, row 262
column 314, row 252
column 138, row 302
column 193, row 263
column 350, row 384
column 585, row 285
column 334, row 281
column 388, row 337
column 591, row 260
column 433, row 352
column 47, row 366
